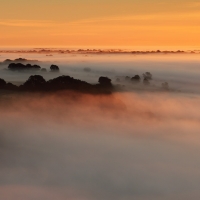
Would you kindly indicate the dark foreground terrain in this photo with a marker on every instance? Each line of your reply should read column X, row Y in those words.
column 38, row 83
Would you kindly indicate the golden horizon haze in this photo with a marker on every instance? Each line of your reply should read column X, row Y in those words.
column 99, row 23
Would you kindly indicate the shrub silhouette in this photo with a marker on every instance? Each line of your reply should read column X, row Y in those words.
column 67, row 82
column 43, row 70
column 165, row 86
column 104, row 81
column 10, row 86
column 127, row 78
column 117, row 79
column 146, row 81
column 36, row 82
column 20, row 66
column 54, row 68
column 2, row 83
column 147, row 75
column 136, row 78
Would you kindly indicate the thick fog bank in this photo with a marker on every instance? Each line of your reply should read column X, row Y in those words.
column 181, row 72
column 67, row 145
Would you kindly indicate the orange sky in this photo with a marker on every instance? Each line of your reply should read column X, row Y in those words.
column 99, row 23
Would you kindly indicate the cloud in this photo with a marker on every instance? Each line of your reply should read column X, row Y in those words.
column 140, row 144
column 123, row 146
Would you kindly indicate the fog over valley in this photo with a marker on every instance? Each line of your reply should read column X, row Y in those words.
column 138, row 141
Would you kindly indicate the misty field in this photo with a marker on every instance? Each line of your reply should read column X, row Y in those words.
column 139, row 142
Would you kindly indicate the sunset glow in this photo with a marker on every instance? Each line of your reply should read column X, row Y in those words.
column 100, row 23
column 99, row 99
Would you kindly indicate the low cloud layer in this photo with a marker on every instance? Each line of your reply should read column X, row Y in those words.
column 122, row 146
column 140, row 143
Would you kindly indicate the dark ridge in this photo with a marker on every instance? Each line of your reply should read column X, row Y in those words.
column 10, row 86
column 2, row 83
column 8, row 61
column 37, row 83
column 49, row 52
column 67, row 82
column 19, row 60
column 20, row 66
column 7, row 86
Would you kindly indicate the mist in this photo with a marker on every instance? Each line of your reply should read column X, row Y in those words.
column 140, row 143
column 181, row 72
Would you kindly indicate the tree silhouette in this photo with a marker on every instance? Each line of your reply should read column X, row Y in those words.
column 35, row 82
column 20, row 66
column 146, row 81
column 2, row 83
column 104, row 81
column 54, row 68
column 165, row 86
column 136, row 78
column 147, row 75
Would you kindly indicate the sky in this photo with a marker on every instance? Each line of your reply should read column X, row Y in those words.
column 99, row 23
